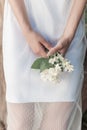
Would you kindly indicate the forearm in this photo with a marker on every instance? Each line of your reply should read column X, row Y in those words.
column 74, row 17
column 19, row 10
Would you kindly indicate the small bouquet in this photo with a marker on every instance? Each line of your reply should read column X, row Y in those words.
column 51, row 67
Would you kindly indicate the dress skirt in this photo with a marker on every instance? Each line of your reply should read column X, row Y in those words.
column 23, row 85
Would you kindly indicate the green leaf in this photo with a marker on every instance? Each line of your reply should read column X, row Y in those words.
column 37, row 63
column 45, row 65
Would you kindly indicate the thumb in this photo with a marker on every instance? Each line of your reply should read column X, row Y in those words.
column 54, row 49
column 51, row 51
column 59, row 45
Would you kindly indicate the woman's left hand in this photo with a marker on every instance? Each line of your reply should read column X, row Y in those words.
column 64, row 42
column 61, row 47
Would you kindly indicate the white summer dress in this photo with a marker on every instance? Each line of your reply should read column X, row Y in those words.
column 48, row 18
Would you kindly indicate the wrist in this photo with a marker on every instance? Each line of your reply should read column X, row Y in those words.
column 69, row 36
column 27, row 29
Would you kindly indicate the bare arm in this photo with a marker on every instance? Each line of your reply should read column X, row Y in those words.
column 35, row 40
column 71, row 27
column 75, row 16
column 19, row 10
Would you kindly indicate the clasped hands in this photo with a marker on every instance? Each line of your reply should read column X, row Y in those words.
column 38, row 45
column 61, row 46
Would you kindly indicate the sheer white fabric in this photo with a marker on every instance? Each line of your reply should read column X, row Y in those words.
column 39, row 116
column 44, row 116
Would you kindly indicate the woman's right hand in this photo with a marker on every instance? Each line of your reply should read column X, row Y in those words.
column 35, row 40
column 38, row 44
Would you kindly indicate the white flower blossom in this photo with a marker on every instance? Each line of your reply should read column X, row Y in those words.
column 69, row 68
column 51, row 61
column 53, row 73
column 44, row 75
column 60, row 57
column 57, row 67
column 50, row 74
column 55, row 59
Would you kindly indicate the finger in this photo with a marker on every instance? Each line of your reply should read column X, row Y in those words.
column 56, row 48
column 43, row 53
column 46, row 44
column 63, row 51
column 52, row 51
column 59, row 45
